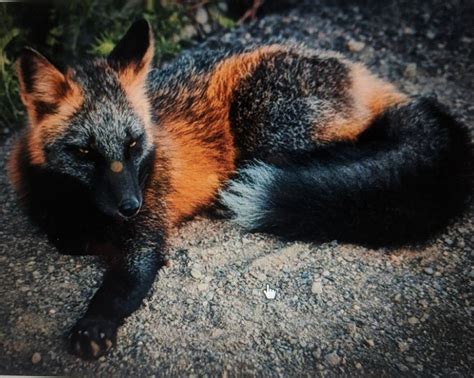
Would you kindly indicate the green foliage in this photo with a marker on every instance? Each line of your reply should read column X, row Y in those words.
column 69, row 30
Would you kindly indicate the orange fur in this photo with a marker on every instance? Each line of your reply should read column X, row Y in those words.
column 198, row 168
column 132, row 79
column 370, row 97
column 231, row 71
column 50, row 86
column 13, row 167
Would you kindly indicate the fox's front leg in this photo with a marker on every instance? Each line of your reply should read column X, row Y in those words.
column 127, row 281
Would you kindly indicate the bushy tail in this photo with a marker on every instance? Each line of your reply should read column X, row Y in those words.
column 406, row 176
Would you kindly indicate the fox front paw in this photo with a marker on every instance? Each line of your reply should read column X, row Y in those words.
column 92, row 338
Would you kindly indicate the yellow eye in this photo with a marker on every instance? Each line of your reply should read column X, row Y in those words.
column 83, row 151
column 132, row 144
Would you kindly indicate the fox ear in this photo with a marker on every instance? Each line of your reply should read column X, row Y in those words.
column 43, row 87
column 37, row 75
column 132, row 56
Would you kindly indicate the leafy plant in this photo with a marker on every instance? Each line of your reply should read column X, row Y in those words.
column 71, row 30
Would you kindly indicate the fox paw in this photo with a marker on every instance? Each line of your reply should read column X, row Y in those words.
column 92, row 338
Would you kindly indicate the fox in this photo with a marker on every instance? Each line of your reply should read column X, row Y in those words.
column 279, row 138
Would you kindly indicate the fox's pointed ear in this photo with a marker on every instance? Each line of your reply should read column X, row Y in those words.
column 43, row 87
column 132, row 56
column 37, row 74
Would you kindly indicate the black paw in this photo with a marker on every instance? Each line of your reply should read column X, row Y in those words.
column 92, row 338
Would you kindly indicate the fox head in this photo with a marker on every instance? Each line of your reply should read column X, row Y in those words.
column 92, row 123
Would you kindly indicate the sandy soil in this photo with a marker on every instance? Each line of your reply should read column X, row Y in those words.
column 340, row 309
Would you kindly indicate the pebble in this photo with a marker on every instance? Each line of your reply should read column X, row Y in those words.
column 332, row 359
column 188, row 32
column 428, row 270
column 355, row 46
column 201, row 16
column 402, row 367
column 410, row 71
column 358, row 366
column 351, row 329
column 317, row 353
column 397, row 298
column 412, row 320
column 402, row 346
column 317, row 287
column 195, row 273
column 36, row 358
column 424, row 303
column 370, row 342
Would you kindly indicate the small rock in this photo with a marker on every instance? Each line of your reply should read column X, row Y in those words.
column 317, row 353
column 203, row 286
column 370, row 342
column 402, row 367
column 201, row 16
column 412, row 320
column 397, row 298
column 351, row 328
column 431, row 35
column 410, row 359
column 410, row 71
column 356, row 307
column 317, row 287
column 50, row 269
column 36, row 358
column 188, row 32
column 358, row 366
column 428, row 270
column 409, row 31
column 332, row 359
column 355, row 46
column 326, row 273
column 195, row 273
column 402, row 346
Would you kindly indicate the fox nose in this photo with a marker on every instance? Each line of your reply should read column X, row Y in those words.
column 129, row 207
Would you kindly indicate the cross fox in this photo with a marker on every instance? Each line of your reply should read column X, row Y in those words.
column 283, row 139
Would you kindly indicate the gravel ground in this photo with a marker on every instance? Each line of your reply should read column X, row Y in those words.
column 340, row 309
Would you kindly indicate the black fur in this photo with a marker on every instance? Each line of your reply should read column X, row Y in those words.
column 279, row 100
column 132, row 47
column 405, row 178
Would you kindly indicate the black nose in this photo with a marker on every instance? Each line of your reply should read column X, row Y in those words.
column 129, row 207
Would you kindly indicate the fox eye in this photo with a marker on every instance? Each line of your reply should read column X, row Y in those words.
column 132, row 144
column 83, row 151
